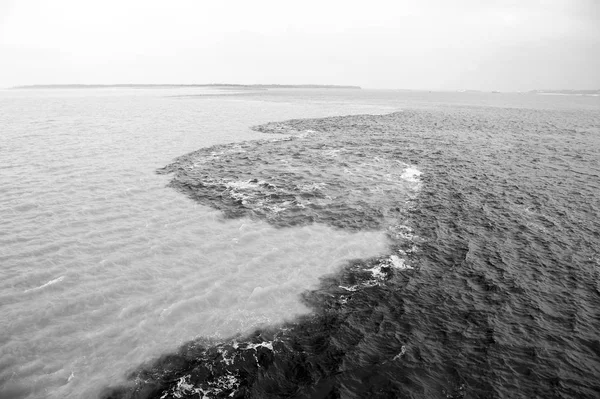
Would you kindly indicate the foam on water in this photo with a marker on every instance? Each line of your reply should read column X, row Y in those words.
column 56, row 280
column 411, row 174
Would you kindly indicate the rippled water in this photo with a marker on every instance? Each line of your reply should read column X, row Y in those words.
column 104, row 267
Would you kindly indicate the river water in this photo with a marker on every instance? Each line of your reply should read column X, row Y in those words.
column 484, row 205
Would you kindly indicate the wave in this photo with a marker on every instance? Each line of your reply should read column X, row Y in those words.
column 51, row 282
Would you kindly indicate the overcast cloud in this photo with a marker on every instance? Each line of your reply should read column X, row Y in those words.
column 415, row 44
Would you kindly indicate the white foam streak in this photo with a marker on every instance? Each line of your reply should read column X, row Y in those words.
column 51, row 282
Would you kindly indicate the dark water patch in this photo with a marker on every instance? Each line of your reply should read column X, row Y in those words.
column 350, row 338
column 491, row 286
column 350, row 182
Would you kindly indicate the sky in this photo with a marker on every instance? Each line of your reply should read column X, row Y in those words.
column 501, row 45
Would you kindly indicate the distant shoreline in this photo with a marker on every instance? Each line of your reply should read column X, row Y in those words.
column 211, row 85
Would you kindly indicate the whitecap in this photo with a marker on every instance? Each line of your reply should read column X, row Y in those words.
column 51, row 282
column 411, row 174
column 399, row 263
column 265, row 344
column 241, row 185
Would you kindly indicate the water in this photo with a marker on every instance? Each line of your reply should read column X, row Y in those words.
column 104, row 267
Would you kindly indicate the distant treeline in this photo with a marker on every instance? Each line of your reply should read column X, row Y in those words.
column 212, row 85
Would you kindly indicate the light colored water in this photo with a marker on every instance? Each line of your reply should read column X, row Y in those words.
column 102, row 267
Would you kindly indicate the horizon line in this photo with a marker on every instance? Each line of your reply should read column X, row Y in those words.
column 280, row 85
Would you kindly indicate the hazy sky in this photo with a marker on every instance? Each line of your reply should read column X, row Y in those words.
column 412, row 44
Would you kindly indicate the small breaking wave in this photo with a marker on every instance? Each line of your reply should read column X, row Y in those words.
column 411, row 174
column 49, row 283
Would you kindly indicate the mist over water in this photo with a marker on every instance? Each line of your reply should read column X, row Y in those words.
column 105, row 268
